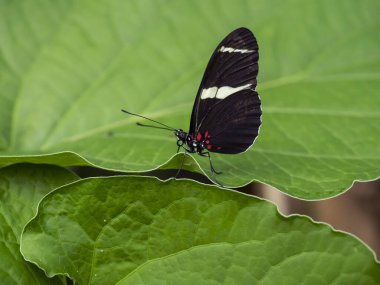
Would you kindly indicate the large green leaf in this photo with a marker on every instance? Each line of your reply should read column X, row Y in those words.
column 21, row 189
column 67, row 67
column 139, row 230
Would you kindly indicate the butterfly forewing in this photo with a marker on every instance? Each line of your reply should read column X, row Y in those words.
column 226, row 106
column 232, row 125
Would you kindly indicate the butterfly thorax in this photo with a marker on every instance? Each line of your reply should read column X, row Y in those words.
column 195, row 143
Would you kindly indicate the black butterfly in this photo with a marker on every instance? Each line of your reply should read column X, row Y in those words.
column 226, row 115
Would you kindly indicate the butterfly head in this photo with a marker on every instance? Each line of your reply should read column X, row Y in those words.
column 181, row 135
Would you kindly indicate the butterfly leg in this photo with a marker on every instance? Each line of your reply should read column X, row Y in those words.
column 179, row 144
column 207, row 154
column 213, row 171
column 183, row 160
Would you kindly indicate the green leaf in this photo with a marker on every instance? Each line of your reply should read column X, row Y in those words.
column 67, row 67
column 136, row 230
column 21, row 189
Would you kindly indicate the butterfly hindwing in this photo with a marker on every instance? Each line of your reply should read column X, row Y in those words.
column 233, row 67
column 232, row 124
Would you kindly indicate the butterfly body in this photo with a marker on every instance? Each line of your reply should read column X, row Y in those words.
column 198, row 143
column 226, row 115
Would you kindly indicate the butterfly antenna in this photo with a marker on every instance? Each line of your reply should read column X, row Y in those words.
column 166, row 127
column 156, row 127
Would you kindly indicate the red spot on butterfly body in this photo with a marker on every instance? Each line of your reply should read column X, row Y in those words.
column 206, row 134
column 199, row 136
column 208, row 147
column 207, row 142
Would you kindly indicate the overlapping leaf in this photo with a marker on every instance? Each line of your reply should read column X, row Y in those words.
column 135, row 230
column 21, row 189
column 68, row 67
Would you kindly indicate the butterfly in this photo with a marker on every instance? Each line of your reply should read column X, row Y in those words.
column 226, row 115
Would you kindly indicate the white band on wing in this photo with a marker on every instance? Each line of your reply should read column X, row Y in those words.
column 222, row 92
column 230, row 49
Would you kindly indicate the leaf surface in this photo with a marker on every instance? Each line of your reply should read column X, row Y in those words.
column 21, row 189
column 135, row 230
